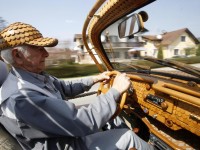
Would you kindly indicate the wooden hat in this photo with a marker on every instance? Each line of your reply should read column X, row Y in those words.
column 20, row 33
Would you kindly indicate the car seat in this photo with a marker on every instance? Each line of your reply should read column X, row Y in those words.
column 3, row 71
column 7, row 142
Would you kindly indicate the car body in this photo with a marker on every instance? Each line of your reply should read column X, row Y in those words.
column 162, row 106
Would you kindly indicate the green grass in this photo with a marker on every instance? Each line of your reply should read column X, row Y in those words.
column 65, row 70
column 189, row 60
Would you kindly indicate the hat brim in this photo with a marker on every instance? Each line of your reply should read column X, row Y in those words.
column 44, row 42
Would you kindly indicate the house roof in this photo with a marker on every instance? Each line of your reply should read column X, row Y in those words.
column 170, row 37
column 77, row 36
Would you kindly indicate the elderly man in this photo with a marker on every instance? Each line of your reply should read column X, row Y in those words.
column 33, row 105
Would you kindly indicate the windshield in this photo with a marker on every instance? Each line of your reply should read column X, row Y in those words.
column 169, row 35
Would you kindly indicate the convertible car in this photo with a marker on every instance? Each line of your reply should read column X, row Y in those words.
column 162, row 105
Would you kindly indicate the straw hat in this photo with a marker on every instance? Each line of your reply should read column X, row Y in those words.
column 20, row 33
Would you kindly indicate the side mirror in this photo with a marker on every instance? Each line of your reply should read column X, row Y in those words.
column 132, row 25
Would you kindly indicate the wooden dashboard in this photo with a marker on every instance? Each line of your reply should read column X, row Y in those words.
column 174, row 103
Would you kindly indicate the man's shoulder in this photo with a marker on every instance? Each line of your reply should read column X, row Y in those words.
column 8, row 88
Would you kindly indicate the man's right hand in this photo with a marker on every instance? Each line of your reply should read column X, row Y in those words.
column 121, row 83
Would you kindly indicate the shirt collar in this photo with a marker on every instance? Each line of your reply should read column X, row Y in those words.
column 30, row 76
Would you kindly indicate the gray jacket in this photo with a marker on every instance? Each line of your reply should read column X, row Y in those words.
column 35, row 112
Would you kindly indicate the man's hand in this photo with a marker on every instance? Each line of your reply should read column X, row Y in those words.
column 121, row 83
column 101, row 77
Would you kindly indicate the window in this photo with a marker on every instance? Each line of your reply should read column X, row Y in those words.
column 183, row 38
column 176, row 51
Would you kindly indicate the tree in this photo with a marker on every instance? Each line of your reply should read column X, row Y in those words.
column 2, row 23
column 189, row 51
column 160, row 52
column 198, row 50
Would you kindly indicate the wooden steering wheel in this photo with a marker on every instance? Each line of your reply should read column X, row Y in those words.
column 103, row 89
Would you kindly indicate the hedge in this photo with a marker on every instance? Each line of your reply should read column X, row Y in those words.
column 65, row 70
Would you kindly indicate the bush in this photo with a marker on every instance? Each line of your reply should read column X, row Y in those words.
column 190, row 51
column 189, row 60
column 160, row 52
column 198, row 50
column 66, row 70
column 72, row 70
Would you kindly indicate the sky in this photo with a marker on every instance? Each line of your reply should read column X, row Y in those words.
column 64, row 18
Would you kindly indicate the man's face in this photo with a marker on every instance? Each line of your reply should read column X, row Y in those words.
column 33, row 59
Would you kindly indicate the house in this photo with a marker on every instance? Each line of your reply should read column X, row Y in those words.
column 83, row 56
column 120, row 47
column 173, row 44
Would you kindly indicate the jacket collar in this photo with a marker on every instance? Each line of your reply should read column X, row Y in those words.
column 37, row 79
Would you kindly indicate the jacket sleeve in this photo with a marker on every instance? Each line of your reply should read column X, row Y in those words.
column 73, row 87
column 60, row 117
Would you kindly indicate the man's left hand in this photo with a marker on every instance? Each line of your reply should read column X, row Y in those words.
column 101, row 77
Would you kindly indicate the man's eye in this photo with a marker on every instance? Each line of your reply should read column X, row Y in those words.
column 40, row 48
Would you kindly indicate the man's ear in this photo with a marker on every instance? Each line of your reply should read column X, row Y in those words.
column 17, row 56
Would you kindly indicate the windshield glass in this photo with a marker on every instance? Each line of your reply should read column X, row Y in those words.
column 170, row 33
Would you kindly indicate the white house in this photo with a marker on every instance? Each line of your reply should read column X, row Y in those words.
column 173, row 44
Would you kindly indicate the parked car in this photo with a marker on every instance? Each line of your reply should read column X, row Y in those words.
column 162, row 107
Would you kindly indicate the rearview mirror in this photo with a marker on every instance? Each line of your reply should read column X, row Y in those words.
column 131, row 25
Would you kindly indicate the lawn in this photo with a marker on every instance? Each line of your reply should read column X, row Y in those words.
column 65, row 70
